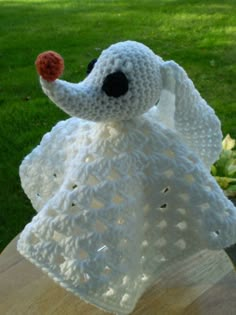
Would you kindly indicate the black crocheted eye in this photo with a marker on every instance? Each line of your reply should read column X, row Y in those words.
column 115, row 84
column 91, row 65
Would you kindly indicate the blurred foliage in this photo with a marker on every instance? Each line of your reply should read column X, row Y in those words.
column 224, row 169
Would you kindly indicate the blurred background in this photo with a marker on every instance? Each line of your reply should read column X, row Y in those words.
column 199, row 35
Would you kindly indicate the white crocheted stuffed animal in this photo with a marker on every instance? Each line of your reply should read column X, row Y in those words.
column 123, row 189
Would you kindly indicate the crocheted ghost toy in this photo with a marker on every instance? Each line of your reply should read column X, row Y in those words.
column 123, row 189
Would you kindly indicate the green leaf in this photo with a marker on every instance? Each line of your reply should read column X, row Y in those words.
column 231, row 170
column 232, row 188
column 228, row 143
column 213, row 170
column 224, row 182
column 231, row 191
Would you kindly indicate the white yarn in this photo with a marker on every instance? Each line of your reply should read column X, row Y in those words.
column 119, row 201
column 192, row 118
column 87, row 100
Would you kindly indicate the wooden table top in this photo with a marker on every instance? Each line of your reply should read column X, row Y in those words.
column 205, row 284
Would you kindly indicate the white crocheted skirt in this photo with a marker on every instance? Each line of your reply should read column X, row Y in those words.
column 117, row 203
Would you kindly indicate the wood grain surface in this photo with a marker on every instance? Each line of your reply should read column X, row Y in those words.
column 204, row 284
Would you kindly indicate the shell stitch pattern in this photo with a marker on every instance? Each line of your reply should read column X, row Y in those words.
column 138, row 182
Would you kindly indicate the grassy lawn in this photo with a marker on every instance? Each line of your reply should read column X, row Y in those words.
column 199, row 35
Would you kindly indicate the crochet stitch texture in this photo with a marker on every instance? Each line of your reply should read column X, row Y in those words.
column 125, row 191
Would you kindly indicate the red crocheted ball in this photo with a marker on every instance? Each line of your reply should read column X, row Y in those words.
column 49, row 65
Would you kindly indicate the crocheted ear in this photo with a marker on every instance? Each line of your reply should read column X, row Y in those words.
column 182, row 109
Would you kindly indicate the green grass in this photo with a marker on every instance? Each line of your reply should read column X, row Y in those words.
column 199, row 35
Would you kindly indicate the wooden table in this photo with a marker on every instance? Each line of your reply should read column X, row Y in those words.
column 205, row 284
